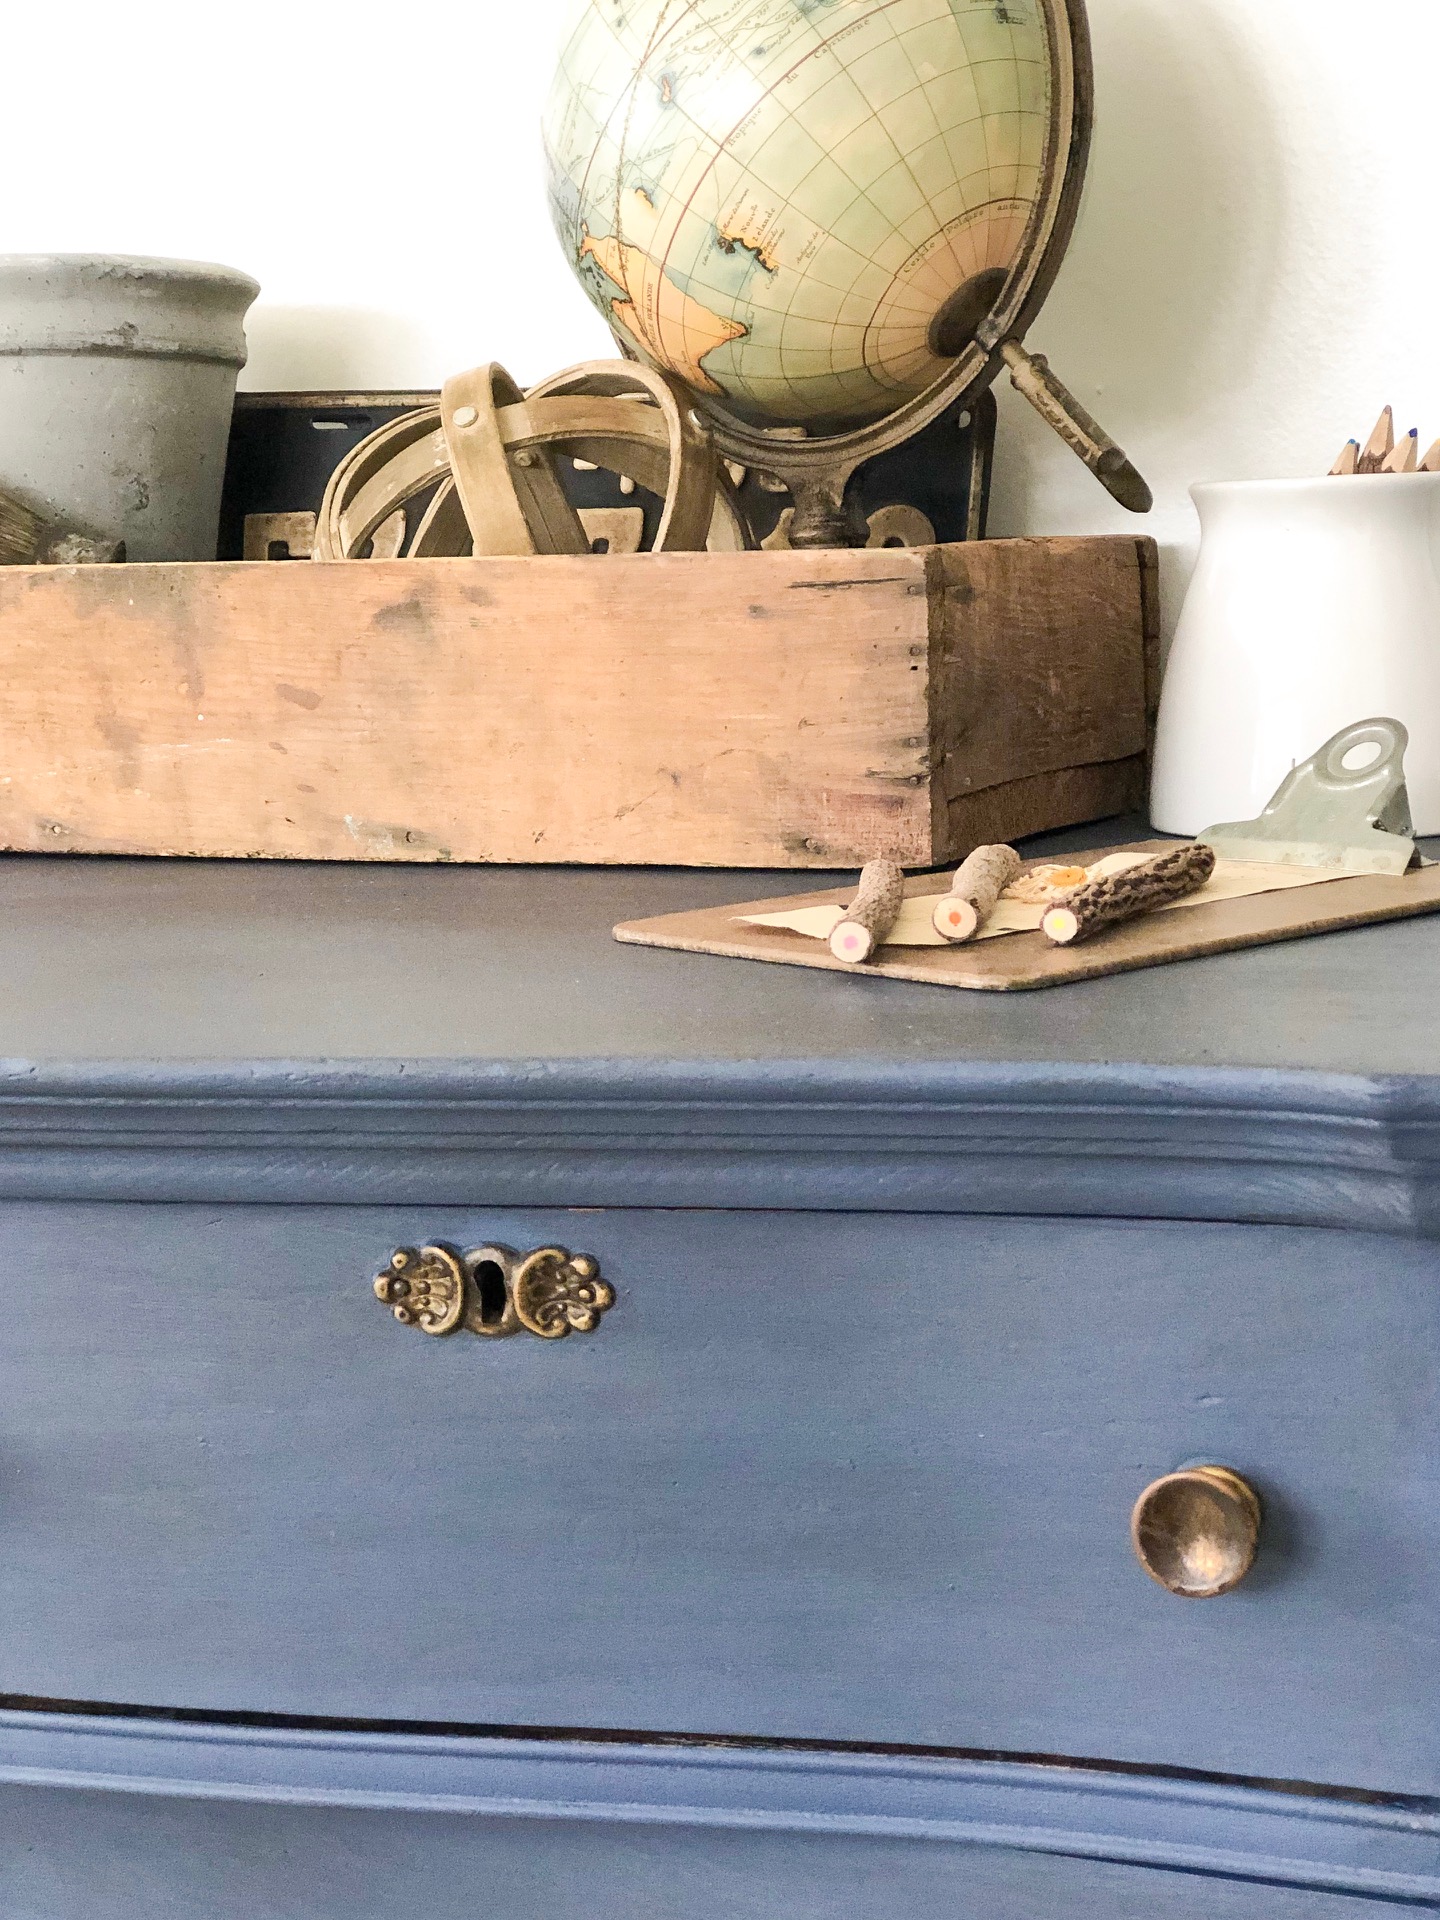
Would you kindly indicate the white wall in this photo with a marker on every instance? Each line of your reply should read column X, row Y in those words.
column 1254, row 273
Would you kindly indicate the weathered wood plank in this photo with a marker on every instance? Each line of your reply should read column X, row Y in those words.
column 1041, row 659
column 1016, row 809
column 789, row 709
column 507, row 710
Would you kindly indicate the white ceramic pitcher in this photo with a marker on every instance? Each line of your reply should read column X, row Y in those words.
column 1314, row 603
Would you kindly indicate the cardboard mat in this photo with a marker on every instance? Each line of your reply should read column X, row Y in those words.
column 1024, row 960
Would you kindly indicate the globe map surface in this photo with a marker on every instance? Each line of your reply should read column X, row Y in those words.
column 774, row 198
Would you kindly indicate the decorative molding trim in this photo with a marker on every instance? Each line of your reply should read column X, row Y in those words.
column 1102, row 1141
column 1388, row 1850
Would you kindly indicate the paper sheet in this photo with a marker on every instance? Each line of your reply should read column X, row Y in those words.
column 1231, row 880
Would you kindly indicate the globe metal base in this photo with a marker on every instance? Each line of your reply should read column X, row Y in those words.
column 824, row 518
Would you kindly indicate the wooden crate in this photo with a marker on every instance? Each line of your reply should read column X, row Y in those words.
column 768, row 710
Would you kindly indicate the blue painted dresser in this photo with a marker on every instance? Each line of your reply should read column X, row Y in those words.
column 798, row 1579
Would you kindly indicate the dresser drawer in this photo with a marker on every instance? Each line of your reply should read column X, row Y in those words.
column 853, row 1477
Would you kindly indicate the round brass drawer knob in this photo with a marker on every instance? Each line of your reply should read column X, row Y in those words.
column 1196, row 1531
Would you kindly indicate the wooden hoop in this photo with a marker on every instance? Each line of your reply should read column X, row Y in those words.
column 506, row 480
column 492, row 451
column 689, row 487
column 340, row 532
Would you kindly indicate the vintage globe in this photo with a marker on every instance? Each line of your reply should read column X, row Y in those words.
column 801, row 207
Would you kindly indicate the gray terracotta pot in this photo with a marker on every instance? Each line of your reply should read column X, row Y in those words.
column 117, row 381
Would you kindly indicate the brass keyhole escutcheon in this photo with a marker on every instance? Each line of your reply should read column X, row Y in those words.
column 494, row 1291
column 1196, row 1531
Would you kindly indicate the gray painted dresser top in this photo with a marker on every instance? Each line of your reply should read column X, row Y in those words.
column 131, row 960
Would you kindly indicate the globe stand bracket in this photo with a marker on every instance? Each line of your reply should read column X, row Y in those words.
column 823, row 517
column 1030, row 374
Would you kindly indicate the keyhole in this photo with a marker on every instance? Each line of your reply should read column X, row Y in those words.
column 489, row 1278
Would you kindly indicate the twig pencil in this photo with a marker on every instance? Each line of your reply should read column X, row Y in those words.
column 982, row 878
column 1349, row 458
column 1125, row 896
column 872, row 913
column 1404, row 456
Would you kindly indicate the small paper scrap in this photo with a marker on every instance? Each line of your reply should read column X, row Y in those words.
column 1231, row 880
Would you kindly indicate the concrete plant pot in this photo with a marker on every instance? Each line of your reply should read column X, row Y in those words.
column 117, row 381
